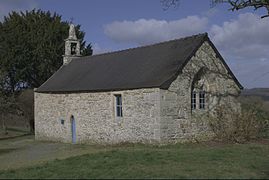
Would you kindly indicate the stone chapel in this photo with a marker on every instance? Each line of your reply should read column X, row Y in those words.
column 158, row 93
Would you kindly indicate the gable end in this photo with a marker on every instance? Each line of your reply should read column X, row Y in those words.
column 167, row 83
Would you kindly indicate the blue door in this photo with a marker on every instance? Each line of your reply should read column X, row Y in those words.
column 73, row 129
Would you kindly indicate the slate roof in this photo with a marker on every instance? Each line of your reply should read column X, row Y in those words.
column 150, row 66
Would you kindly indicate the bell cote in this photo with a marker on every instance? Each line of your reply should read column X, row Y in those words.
column 72, row 46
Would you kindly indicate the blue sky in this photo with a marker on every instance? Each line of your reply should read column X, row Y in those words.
column 241, row 37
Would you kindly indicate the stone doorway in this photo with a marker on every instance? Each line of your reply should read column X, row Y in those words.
column 73, row 129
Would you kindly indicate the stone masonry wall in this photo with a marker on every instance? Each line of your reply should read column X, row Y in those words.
column 149, row 115
column 95, row 118
column 178, row 121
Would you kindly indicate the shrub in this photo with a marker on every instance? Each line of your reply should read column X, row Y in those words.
column 231, row 125
column 261, row 109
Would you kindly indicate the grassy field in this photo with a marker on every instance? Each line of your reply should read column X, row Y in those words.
column 173, row 161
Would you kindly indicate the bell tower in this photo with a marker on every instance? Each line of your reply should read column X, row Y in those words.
column 72, row 46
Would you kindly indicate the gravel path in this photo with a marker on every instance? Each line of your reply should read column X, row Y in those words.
column 25, row 151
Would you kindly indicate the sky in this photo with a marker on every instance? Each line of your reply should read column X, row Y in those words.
column 241, row 37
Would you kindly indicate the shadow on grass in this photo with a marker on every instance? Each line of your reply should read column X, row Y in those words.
column 5, row 151
column 6, row 137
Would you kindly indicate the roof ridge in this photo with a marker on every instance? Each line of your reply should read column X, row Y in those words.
column 150, row 45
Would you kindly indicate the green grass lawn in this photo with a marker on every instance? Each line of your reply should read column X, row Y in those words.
column 172, row 161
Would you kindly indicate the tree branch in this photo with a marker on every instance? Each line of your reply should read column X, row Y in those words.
column 241, row 4
column 166, row 4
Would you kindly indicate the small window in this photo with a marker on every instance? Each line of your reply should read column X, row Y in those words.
column 202, row 100
column 118, row 105
column 62, row 121
column 73, row 48
column 193, row 100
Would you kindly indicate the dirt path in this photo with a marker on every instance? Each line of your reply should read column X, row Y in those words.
column 25, row 151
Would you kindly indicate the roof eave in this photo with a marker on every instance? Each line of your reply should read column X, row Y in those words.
column 94, row 91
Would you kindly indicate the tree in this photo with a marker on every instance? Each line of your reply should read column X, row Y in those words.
column 25, row 103
column 87, row 51
column 31, row 48
column 7, row 105
column 241, row 4
column 235, row 4
column 169, row 3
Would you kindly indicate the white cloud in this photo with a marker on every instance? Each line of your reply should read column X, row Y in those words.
column 244, row 41
column 245, row 37
column 245, row 44
column 149, row 31
column 6, row 6
column 211, row 12
column 99, row 50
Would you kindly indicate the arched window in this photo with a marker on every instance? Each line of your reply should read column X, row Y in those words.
column 199, row 88
column 73, row 128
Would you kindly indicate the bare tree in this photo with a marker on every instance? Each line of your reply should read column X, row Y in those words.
column 235, row 4
column 241, row 4
column 166, row 4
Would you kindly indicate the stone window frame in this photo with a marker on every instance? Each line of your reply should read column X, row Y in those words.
column 198, row 99
column 193, row 99
column 202, row 99
column 200, row 86
column 118, row 105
